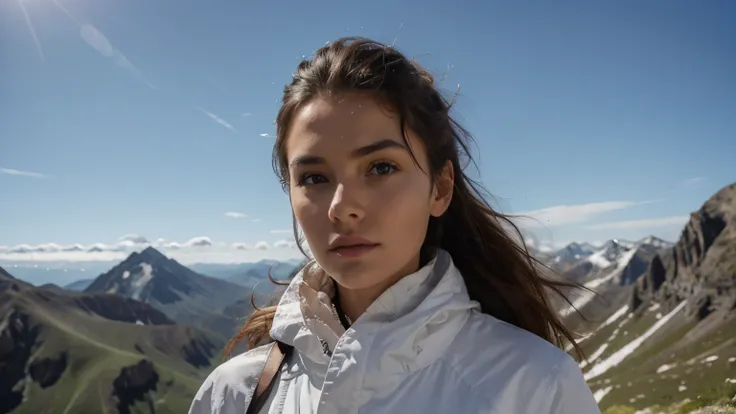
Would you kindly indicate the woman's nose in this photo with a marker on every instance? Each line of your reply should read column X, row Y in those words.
column 345, row 206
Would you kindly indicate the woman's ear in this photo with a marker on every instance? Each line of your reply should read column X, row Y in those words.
column 443, row 188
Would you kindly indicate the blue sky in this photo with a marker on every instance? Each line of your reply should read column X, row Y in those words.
column 602, row 119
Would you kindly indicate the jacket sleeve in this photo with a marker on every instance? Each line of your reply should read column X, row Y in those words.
column 569, row 393
column 202, row 403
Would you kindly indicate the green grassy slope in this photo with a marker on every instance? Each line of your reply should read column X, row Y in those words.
column 95, row 350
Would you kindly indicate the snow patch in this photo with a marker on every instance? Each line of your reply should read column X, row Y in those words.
column 618, row 356
column 599, row 394
column 146, row 276
column 654, row 307
column 595, row 355
column 126, row 274
column 613, row 318
column 665, row 368
column 139, row 322
column 711, row 358
column 598, row 259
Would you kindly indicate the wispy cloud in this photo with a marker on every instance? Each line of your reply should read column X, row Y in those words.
column 571, row 214
column 693, row 181
column 31, row 29
column 281, row 231
column 641, row 224
column 246, row 114
column 31, row 174
column 256, row 220
column 217, row 119
column 99, row 42
column 235, row 214
column 265, row 135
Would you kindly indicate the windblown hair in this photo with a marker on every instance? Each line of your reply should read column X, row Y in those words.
column 486, row 246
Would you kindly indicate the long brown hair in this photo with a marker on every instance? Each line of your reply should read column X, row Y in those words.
column 486, row 246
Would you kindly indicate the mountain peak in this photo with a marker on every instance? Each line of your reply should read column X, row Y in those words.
column 655, row 242
column 150, row 253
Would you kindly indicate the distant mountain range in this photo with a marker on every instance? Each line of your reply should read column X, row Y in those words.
column 72, row 352
column 660, row 331
column 74, row 275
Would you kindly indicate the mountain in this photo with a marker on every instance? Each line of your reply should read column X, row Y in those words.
column 573, row 252
column 259, row 272
column 701, row 267
column 69, row 352
column 660, row 335
column 184, row 295
column 79, row 285
column 248, row 274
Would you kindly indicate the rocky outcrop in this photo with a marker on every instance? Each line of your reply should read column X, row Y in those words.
column 701, row 267
column 46, row 371
column 17, row 342
column 135, row 383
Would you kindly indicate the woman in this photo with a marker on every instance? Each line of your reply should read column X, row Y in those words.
column 417, row 300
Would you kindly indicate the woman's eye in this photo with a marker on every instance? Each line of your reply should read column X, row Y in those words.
column 311, row 179
column 383, row 168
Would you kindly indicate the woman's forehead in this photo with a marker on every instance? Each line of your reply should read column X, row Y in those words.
column 340, row 124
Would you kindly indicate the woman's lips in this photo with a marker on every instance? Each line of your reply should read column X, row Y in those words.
column 353, row 251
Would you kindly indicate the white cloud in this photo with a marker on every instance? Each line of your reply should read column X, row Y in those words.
column 235, row 214
column 240, row 246
column 264, row 135
column 285, row 244
column 641, row 224
column 21, row 173
column 282, row 231
column 133, row 238
column 196, row 250
column 257, row 220
column 100, row 247
column 570, row 214
column 73, row 248
column 219, row 120
column 693, row 181
column 172, row 246
column 201, row 241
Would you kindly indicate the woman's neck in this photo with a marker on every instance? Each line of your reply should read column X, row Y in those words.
column 354, row 302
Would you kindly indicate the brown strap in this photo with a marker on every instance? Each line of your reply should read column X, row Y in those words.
column 265, row 382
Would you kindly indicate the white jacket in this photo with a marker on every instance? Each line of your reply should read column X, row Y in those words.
column 422, row 347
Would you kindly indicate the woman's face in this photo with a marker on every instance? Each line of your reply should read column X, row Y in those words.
column 356, row 191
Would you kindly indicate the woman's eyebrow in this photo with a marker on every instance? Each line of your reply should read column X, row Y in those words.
column 356, row 153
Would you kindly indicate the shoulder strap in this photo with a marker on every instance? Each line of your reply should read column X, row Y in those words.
column 265, row 382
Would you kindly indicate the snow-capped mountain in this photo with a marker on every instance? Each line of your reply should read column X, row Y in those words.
column 601, row 256
column 573, row 252
column 181, row 293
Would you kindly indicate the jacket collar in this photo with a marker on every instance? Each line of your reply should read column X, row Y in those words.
column 418, row 316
